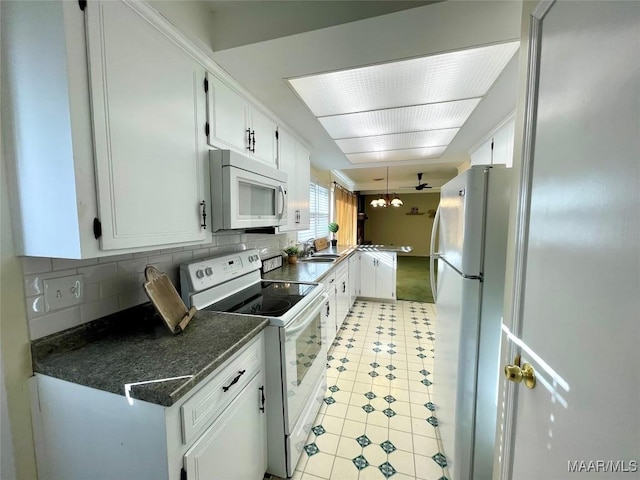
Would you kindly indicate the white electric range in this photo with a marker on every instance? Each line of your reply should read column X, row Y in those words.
column 295, row 342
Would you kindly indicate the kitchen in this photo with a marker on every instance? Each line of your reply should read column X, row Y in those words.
column 15, row 335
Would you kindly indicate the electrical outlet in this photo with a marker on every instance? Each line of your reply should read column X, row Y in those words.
column 63, row 292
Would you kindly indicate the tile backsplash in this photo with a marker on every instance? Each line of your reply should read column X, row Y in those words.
column 115, row 283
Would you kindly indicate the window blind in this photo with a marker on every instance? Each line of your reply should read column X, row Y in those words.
column 318, row 213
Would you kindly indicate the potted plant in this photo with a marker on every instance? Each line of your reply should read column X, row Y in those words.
column 333, row 228
column 292, row 253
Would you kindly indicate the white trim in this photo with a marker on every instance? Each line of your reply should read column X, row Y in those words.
column 510, row 393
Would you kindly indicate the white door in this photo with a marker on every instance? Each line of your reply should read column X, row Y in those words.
column 264, row 143
column 576, row 302
column 386, row 275
column 234, row 447
column 226, row 111
column 303, row 175
column 148, row 106
column 368, row 273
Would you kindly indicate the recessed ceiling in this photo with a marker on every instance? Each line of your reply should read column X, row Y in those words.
column 409, row 99
column 422, row 32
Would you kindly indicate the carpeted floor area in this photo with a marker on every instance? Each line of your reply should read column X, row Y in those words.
column 413, row 279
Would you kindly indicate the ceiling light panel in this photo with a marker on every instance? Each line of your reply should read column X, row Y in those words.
column 437, row 78
column 379, row 143
column 400, row 120
column 396, row 155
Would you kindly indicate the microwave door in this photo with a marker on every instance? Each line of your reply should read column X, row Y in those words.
column 253, row 200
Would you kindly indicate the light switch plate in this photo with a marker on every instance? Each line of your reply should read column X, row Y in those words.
column 63, row 292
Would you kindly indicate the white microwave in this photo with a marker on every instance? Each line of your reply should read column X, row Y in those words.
column 245, row 193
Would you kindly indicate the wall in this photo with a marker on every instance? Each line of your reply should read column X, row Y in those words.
column 115, row 283
column 392, row 226
column 18, row 457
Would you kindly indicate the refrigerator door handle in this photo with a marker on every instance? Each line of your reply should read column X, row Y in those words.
column 433, row 254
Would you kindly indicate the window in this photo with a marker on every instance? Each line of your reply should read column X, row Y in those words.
column 318, row 213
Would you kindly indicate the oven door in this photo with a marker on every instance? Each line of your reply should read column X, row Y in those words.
column 304, row 360
column 253, row 200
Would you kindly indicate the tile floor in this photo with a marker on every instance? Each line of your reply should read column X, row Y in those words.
column 379, row 419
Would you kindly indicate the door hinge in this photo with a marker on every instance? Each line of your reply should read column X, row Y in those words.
column 82, row 4
column 206, row 129
column 206, row 85
column 183, row 474
column 97, row 228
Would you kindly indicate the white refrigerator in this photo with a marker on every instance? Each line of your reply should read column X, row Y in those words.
column 471, row 227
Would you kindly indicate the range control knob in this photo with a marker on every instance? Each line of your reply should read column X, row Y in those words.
column 199, row 273
column 208, row 271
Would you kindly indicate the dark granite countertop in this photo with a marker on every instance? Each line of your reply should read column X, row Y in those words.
column 135, row 346
column 304, row 271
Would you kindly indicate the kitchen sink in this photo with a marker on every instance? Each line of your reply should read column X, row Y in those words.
column 321, row 259
column 325, row 255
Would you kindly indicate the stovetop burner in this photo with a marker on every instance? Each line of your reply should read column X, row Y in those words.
column 268, row 299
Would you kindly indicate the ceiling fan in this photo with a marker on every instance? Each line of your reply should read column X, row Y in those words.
column 421, row 185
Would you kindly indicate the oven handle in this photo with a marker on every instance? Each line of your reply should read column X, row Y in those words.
column 307, row 315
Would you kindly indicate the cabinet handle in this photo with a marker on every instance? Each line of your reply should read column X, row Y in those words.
column 328, row 308
column 235, row 380
column 249, row 139
column 203, row 204
column 253, row 141
column 262, row 399
column 344, row 287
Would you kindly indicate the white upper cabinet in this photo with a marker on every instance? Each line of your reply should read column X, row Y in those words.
column 235, row 123
column 294, row 160
column 264, row 136
column 113, row 160
column 148, row 104
column 226, row 112
column 498, row 148
column 108, row 145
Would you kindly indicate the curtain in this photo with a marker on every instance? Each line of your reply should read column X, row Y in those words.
column 346, row 215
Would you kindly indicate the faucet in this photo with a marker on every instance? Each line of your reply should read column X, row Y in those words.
column 308, row 248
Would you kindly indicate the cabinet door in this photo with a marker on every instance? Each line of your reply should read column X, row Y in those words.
column 386, row 275
column 368, row 274
column 287, row 163
column 302, row 178
column 482, row 155
column 234, row 447
column 264, row 143
column 342, row 301
column 147, row 104
column 227, row 116
column 503, row 145
column 354, row 277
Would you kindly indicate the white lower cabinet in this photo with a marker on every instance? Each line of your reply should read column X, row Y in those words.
column 329, row 311
column 233, row 447
column 354, row 277
column 216, row 431
column 378, row 275
column 342, row 294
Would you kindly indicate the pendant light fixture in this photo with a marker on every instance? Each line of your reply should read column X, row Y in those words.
column 383, row 201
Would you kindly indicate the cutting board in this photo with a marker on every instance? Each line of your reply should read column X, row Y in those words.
column 320, row 244
column 165, row 298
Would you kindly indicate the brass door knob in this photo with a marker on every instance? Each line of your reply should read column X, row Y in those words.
column 525, row 375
